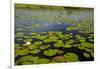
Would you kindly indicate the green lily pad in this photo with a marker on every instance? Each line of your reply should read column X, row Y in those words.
column 35, row 51
column 59, row 43
column 26, row 59
column 58, row 59
column 44, row 47
column 50, row 52
column 27, row 40
column 86, row 55
column 21, row 52
column 26, row 63
column 67, row 45
column 92, row 54
column 41, row 61
column 70, row 28
column 38, row 43
column 71, row 57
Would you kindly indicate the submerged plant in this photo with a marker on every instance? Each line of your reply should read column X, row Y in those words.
column 50, row 52
column 71, row 57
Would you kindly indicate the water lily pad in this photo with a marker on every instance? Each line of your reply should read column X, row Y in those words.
column 67, row 45
column 92, row 54
column 50, row 52
column 44, row 47
column 59, row 43
column 32, row 46
column 70, row 28
column 71, row 57
column 26, row 63
column 27, row 40
column 41, row 61
column 21, row 52
column 86, row 55
column 38, row 43
column 35, row 51
column 26, row 59
column 58, row 59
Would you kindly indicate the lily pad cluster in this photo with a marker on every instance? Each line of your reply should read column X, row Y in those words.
column 42, row 37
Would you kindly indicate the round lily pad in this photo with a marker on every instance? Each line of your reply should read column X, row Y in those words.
column 86, row 55
column 35, row 51
column 58, row 59
column 71, row 57
column 50, row 52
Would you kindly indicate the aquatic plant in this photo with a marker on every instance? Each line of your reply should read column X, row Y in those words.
column 60, row 51
column 20, row 34
column 27, row 36
column 70, row 28
column 26, row 59
column 71, row 57
column 51, row 39
column 42, row 37
column 33, row 33
column 87, row 45
column 26, row 63
column 41, row 61
column 82, row 39
column 27, row 40
column 35, row 51
column 44, row 47
column 50, row 52
column 67, row 45
column 21, row 52
column 36, row 25
column 58, row 59
column 59, row 43
column 38, row 43
column 86, row 55
column 92, row 54
column 19, row 29
column 19, row 39
column 31, row 46
column 46, row 24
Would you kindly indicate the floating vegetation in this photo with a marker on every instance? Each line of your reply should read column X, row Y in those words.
column 21, row 52
column 44, row 47
column 71, row 57
column 35, row 51
column 70, row 28
column 42, row 37
column 86, row 55
column 59, row 43
column 38, row 43
column 27, row 40
column 58, row 59
column 50, row 52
